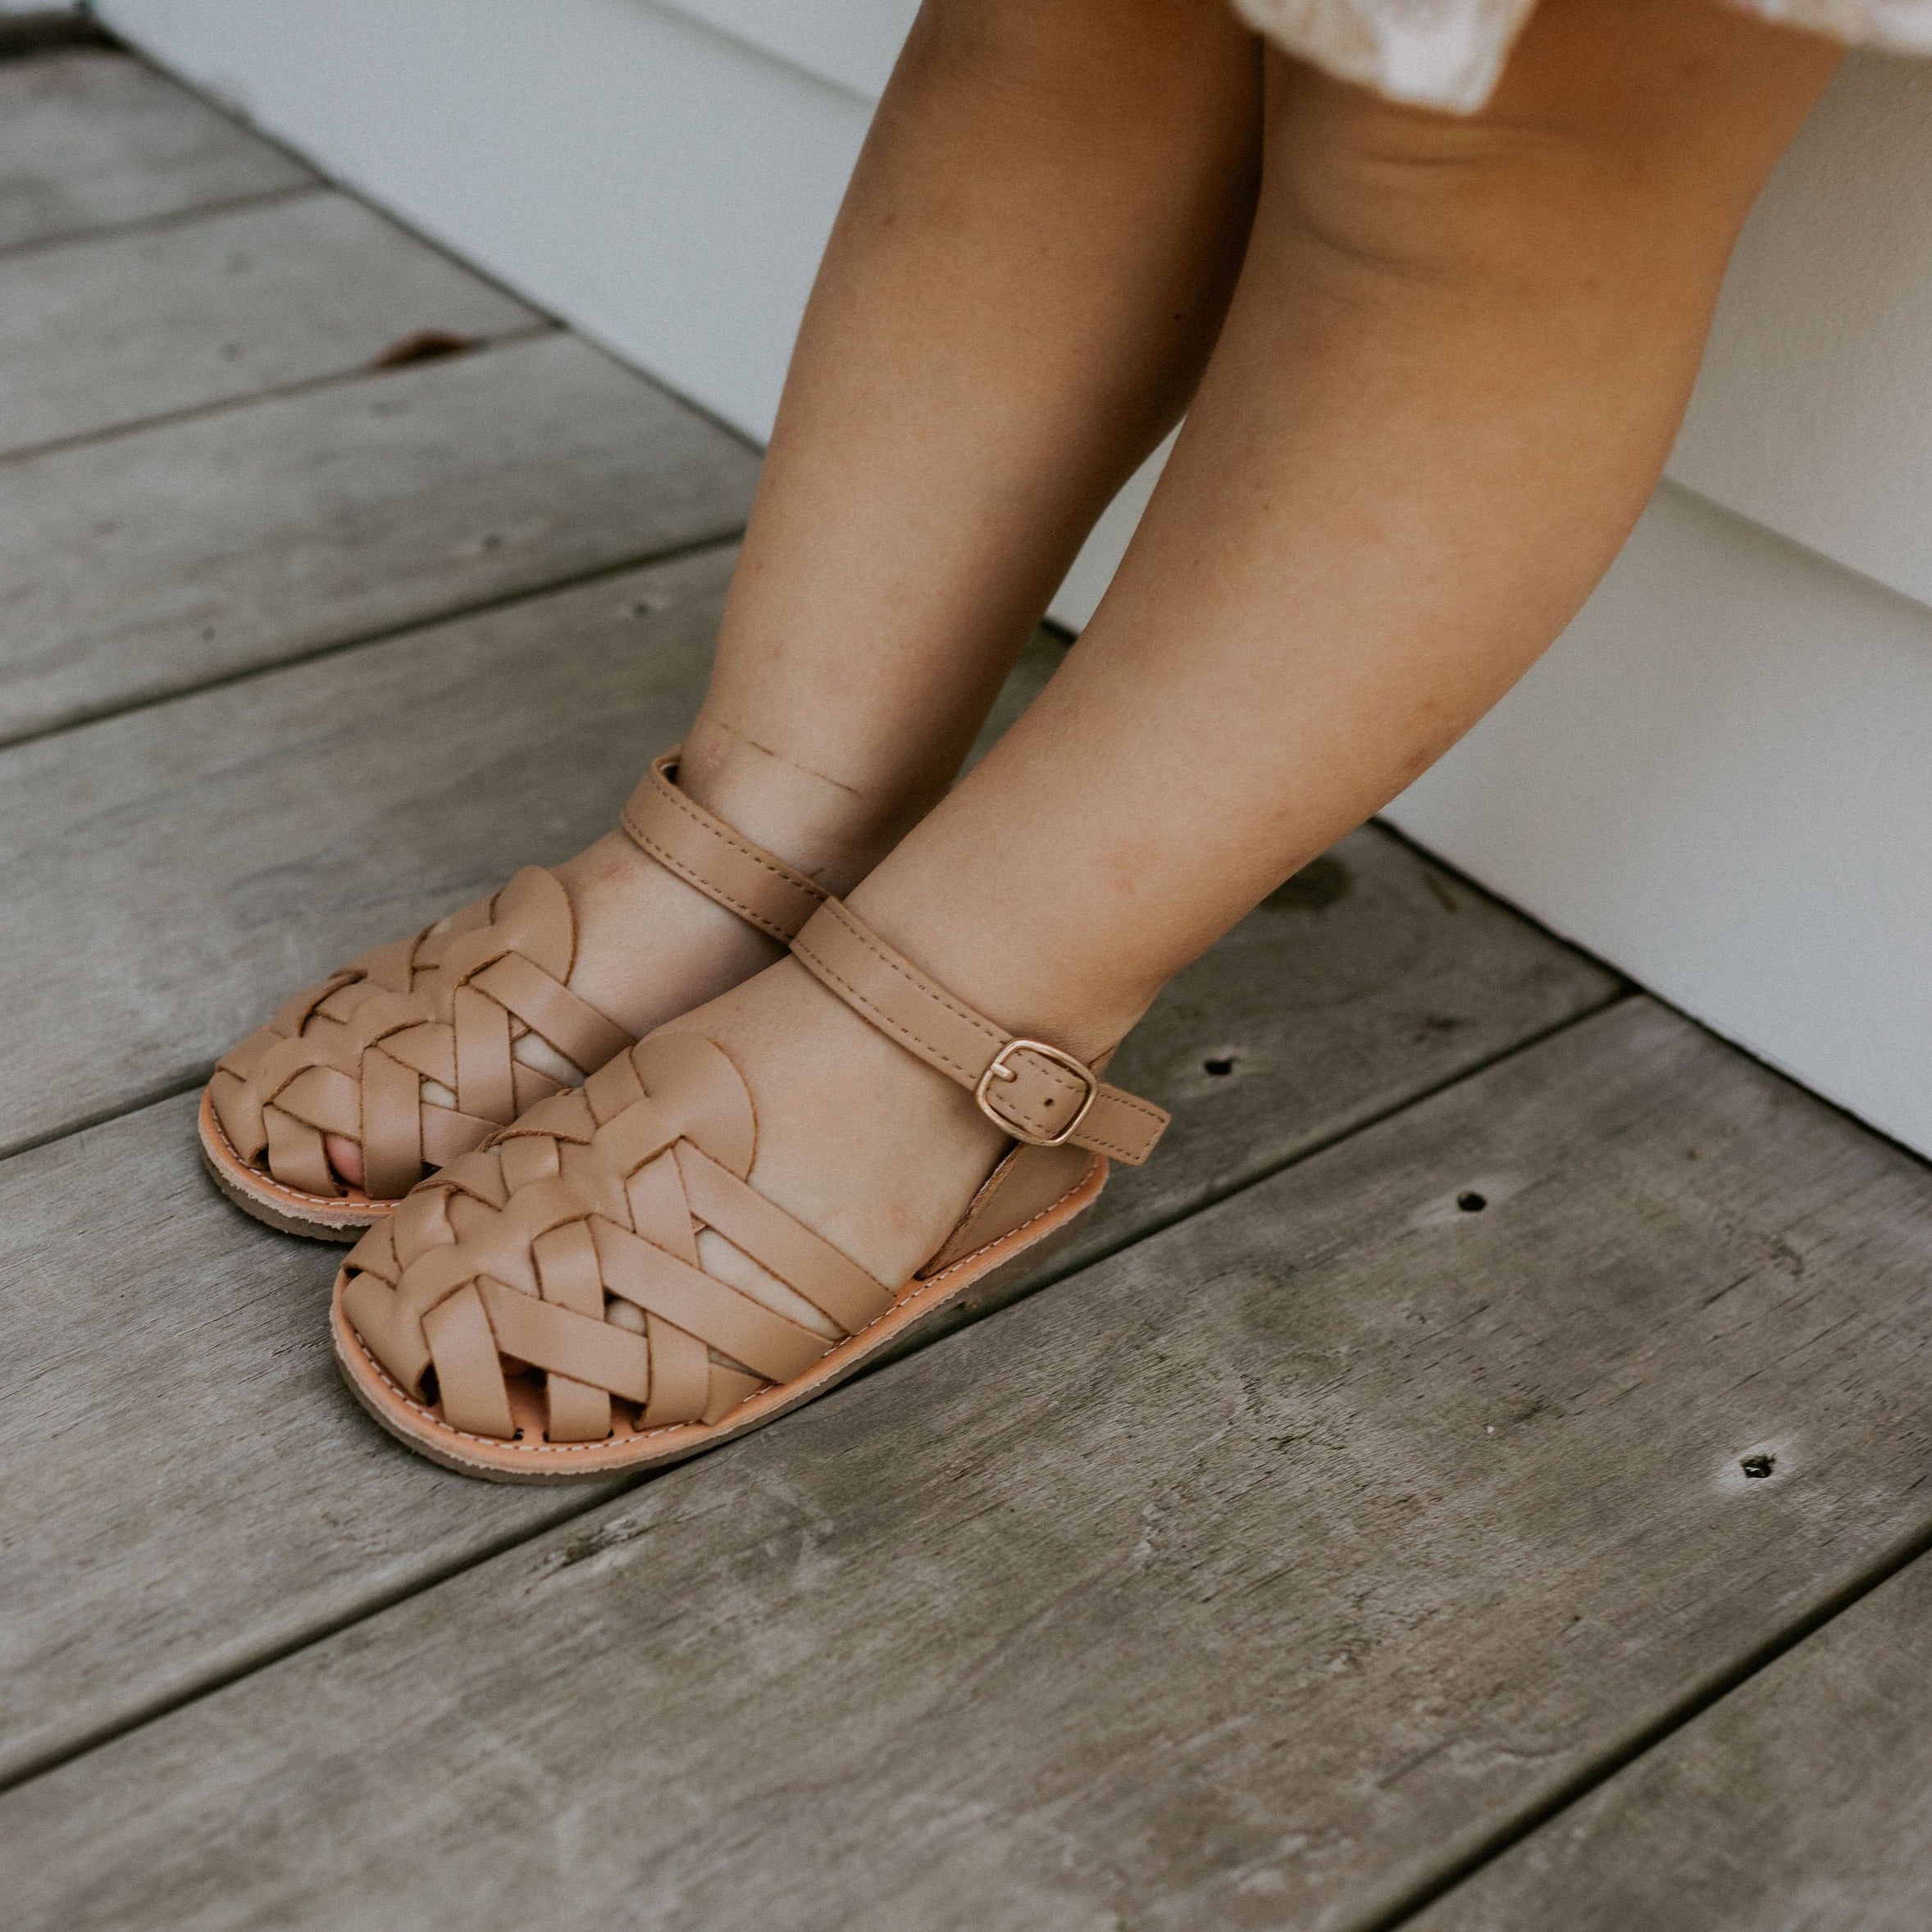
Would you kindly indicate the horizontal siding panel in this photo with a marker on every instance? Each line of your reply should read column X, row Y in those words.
column 1813, row 414
column 1718, row 780
column 852, row 44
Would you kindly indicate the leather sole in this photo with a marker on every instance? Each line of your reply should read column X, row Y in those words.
column 346, row 1218
column 529, row 1458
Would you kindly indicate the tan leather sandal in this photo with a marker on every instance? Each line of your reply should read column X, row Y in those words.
column 538, row 1310
column 421, row 1050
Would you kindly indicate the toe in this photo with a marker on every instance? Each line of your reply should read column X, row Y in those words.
column 345, row 1157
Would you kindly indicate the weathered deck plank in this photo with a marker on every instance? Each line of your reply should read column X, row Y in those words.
column 147, row 323
column 174, row 874
column 194, row 862
column 151, row 561
column 92, row 139
column 1240, row 1580
column 1371, row 958
column 161, row 1335
column 1799, row 1801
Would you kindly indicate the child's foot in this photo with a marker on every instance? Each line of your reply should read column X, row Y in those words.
column 868, row 1145
column 648, row 946
column 729, row 1219
column 414, row 1053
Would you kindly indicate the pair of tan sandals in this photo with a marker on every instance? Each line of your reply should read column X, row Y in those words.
column 525, row 1299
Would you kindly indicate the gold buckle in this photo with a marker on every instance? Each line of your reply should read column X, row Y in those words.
column 999, row 1070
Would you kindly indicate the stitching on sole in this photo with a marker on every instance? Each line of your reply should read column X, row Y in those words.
column 287, row 1199
column 499, row 1445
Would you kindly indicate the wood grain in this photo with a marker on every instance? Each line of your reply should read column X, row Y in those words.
column 174, row 874
column 161, row 1336
column 1372, row 958
column 1239, row 1581
column 91, row 139
column 151, row 321
column 206, row 857
column 1799, row 1801
column 150, row 562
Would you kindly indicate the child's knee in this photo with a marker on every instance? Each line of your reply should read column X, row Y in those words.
column 1617, row 122
column 1367, row 187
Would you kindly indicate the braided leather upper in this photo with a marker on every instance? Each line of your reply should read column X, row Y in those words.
column 579, row 1281
column 420, row 1049
column 553, row 1280
column 417, row 1051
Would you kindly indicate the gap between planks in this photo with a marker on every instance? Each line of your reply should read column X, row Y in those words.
column 454, row 614
column 53, row 29
column 277, row 392
column 343, row 514
column 597, row 1496
column 594, row 1497
column 167, row 218
column 92, row 140
column 168, row 1090
column 1693, row 1706
column 1083, row 1255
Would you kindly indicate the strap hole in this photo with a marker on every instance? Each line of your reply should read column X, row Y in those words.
column 1220, row 1064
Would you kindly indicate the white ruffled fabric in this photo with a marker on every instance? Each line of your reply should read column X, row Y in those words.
column 1448, row 53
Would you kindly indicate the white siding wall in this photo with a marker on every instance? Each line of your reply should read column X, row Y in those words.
column 1717, row 781
column 1718, row 778
column 1814, row 413
column 852, row 44
column 665, row 187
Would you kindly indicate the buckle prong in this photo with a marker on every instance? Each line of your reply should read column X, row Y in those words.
column 999, row 1069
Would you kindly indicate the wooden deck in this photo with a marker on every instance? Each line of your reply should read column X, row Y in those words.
column 1476, row 1478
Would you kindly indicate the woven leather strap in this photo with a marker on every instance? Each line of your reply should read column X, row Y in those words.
column 723, row 864
column 1032, row 1090
column 418, row 1050
column 563, row 1262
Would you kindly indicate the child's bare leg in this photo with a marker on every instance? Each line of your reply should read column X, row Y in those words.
column 1031, row 266
column 1029, row 270
column 1452, row 370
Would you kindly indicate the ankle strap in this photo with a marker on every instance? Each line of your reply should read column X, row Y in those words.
column 1034, row 1091
column 723, row 864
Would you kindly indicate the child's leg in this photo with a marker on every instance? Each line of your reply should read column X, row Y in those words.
column 1449, row 377
column 1030, row 268
column 1454, row 365
column 1031, row 264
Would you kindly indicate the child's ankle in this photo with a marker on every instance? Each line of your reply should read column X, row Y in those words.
column 834, row 831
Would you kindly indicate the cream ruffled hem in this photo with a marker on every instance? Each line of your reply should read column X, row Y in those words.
column 1448, row 53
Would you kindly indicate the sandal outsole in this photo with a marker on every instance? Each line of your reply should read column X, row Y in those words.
column 288, row 1210
column 1012, row 1257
